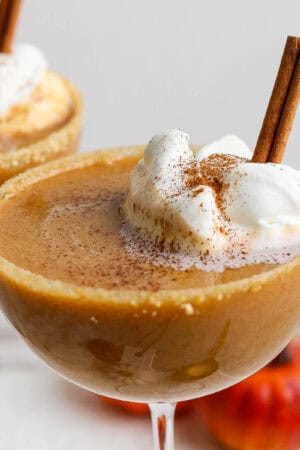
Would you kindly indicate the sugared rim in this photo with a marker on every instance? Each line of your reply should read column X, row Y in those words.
column 63, row 291
column 52, row 146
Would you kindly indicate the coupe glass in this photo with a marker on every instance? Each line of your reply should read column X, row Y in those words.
column 144, row 346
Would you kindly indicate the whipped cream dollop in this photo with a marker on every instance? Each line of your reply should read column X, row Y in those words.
column 20, row 72
column 211, row 207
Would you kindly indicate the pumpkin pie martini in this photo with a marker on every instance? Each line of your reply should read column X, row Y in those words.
column 157, row 274
column 40, row 111
column 136, row 315
column 146, row 326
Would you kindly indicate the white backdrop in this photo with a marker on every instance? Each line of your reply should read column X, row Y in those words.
column 206, row 67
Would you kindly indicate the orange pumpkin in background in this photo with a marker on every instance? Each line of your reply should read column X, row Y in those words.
column 261, row 412
column 142, row 408
column 131, row 407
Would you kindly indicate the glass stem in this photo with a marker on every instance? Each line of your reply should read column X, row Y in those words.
column 162, row 416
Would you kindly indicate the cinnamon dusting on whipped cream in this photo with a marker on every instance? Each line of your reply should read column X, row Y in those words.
column 206, row 209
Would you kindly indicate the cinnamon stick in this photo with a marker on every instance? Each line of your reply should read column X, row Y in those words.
column 9, row 12
column 286, row 118
column 282, row 106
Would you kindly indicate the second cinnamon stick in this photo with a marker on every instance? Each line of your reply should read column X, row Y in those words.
column 9, row 13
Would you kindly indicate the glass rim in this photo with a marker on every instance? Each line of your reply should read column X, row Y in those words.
column 39, row 284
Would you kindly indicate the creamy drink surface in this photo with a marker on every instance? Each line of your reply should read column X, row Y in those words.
column 176, row 219
column 68, row 227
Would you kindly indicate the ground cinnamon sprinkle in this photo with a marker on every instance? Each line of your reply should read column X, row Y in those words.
column 208, row 171
column 193, row 176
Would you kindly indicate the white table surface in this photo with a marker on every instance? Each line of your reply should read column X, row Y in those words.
column 41, row 411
